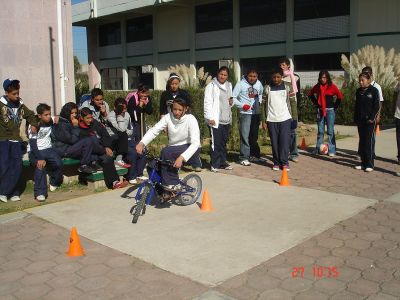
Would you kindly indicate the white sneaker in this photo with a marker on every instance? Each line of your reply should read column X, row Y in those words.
column 358, row 167
column 369, row 170
column 15, row 198
column 3, row 198
column 133, row 181
column 245, row 163
column 142, row 178
column 331, row 154
column 40, row 198
column 215, row 170
column 52, row 188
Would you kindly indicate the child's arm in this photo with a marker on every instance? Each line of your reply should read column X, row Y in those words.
column 152, row 133
column 194, row 133
column 208, row 102
column 293, row 103
column 375, row 107
column 29, row 116
column 119, row 122
column 235, row 94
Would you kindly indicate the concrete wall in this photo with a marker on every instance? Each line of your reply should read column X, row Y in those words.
column 175, row 41
column 29, row 50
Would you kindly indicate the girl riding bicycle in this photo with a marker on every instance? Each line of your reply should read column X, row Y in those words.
column 183, row 137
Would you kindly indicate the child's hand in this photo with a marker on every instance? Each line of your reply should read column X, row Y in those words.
column 103, row 109
column 178, row 162
column 140, row 148
column 246, row 107
column 74, row 121
column 211, row 122
column 109, row 152
column 41, row 164
column 34, row 129
column 264, row 126
column 230, row 101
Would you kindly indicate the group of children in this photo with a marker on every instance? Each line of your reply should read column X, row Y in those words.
column 90, row 133
column 94, row 134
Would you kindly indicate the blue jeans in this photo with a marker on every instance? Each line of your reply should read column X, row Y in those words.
column 53, row 167
column 248, row 127
column 293, row 152
column 329, row 120
column 137, row 161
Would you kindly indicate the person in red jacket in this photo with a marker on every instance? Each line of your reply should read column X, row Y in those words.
column 327, row 98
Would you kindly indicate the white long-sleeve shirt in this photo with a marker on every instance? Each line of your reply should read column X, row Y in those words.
column 180, row 132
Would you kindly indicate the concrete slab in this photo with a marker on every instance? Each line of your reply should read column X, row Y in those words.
column 394, row 198
column 253, row 221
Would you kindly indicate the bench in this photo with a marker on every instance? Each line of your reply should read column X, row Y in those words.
column 94, row 180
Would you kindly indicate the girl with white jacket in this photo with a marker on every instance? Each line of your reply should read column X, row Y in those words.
column 218, row 102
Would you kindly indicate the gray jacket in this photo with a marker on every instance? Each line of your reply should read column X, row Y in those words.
column 120, row 123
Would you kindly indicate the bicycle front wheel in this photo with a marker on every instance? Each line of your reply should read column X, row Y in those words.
column 141, row 202
column 191, row 189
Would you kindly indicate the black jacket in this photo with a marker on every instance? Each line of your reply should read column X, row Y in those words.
column 167, row 97
column 98, row 130
column 367, row 105
column 135, row 112
column 64, row 134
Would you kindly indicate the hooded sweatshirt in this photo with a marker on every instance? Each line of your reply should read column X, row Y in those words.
column 180, row 132
column 247, row 95
column 216, row 102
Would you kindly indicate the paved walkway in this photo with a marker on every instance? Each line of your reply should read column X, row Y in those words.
column 331, row 253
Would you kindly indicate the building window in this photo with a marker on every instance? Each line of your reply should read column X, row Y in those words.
column 111, row 79
column 110, row 34
column 261, row 12
column 139, row 74
column 210, row 66
column 317, row 62
column 263, row 66
column 314, row 9
column 139, row 29
column 214, row 16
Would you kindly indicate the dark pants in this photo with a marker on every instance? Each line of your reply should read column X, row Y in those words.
column 137, row 161
column 219, row 138
column 81, row 150
column 109, row 172
column 365, row 133
column 279, row 133
column 253, row 136
column 53, row 168
column 10, row 167
column 169, row 175
column 398, row 137
column 120, row 143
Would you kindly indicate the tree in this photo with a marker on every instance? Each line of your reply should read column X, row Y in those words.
column 81, row 80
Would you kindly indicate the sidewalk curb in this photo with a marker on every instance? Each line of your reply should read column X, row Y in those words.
column 13, row 216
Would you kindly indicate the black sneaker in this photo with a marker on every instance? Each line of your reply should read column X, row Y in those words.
column 85, row 169
column 96, row 166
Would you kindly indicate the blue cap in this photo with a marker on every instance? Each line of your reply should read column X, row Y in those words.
column 7, row 83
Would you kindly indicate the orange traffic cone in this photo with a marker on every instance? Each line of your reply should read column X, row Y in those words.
column 284, row 178
column 377, row 130
column 206, row 202
column 303, row 145
column 75, row 248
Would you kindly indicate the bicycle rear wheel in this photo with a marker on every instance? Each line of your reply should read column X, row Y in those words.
column 191, row 189
column 141, row 203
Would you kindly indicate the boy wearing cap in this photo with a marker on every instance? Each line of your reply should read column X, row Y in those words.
column 12, row 111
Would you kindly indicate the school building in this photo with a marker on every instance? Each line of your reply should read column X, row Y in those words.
column 136, row 41
column 36, row 48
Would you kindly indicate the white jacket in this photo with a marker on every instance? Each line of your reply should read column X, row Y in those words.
column 211, row 100
column 180, row 132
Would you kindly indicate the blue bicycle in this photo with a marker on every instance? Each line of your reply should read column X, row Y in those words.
column 188, row 193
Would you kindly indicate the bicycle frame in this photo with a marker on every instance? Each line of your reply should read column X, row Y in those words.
column 155, row 180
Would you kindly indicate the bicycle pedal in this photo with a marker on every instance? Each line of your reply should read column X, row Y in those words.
column 132, row 209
